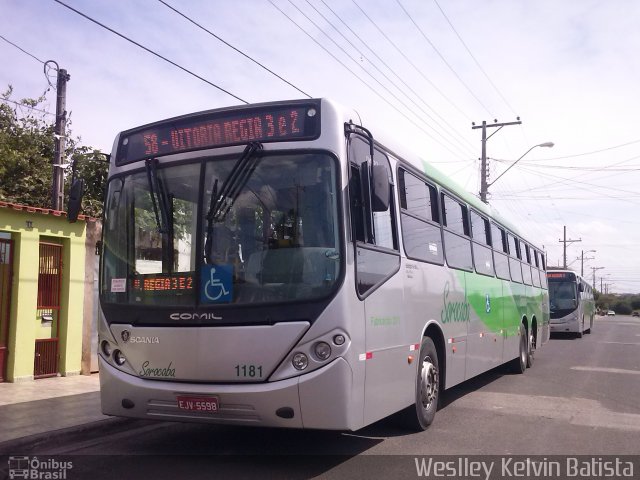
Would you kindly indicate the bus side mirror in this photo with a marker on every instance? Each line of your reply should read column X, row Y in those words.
column 581, row 288
column 75, row 200
column 380, row 189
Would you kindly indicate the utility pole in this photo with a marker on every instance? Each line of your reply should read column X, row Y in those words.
column 57, row 191
column 483, row 175
column 593, row 269
column 582, row 259
column 565, row 241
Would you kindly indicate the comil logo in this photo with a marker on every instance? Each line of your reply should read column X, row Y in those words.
column 27, row 467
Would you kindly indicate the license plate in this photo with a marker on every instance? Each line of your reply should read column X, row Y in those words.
column 198, row 404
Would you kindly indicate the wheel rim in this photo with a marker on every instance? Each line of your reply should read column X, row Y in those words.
column 523, row 355
column 428, row 383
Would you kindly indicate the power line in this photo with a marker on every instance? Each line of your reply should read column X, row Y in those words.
column 150, row 51
column 391, row 70
column 587, row 153
column 399, row 50
column 21, row 49
column 232, row 47
column 566, row 181
column 474, row 58
column 453, row 144
column 26, row 106
column 444, row 59
column 632, row 168
column 360, row 78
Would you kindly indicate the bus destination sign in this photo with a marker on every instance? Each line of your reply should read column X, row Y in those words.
column 156, row 283
column 219, row 129
column 561, row 275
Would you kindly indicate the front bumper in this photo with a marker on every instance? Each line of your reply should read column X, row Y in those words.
column 565, row 325
column 239, row 404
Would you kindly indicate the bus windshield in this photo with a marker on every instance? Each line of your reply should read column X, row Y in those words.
column 253, row 228
column 563, row 295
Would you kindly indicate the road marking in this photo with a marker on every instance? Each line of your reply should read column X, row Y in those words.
column 606, row 370
column 572, row 410
column 621, row 343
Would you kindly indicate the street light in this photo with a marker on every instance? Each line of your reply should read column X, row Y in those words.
column 483, row 193
column 582, row 261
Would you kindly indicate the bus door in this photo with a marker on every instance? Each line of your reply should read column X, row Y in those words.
column 378, row 284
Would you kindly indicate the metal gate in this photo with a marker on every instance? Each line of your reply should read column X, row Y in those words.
column 49, row 288
column 6, row 277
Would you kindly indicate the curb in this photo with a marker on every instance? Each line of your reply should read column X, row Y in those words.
column 34, row 442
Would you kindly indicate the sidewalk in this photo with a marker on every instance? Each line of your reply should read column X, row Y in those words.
column 47, row 405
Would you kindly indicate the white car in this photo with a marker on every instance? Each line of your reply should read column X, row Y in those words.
column 611, row 313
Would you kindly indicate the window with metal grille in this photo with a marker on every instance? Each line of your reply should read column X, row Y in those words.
column 49, row 280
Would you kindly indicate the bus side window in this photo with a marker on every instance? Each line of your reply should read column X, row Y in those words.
column 357, row 204
column 514, row 258
column 375, row 228
column 543, row 268
column 457, row 244
column 526, row 263
column 500, row 250
column 421, row 234
column 481, row 234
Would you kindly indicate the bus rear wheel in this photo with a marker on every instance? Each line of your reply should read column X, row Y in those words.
column 519, row 365
column 531, row 349
column 420, row 415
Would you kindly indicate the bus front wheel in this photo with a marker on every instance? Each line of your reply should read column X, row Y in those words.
column 420, row 415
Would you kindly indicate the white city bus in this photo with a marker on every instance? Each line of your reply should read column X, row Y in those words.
column 258, row 268
column 571, row 303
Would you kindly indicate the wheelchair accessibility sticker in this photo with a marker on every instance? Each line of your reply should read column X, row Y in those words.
column 216, row 283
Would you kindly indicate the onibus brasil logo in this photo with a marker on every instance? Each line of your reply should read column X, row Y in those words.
column 40, row 469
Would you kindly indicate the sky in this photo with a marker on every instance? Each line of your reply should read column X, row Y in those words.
column 421, row 71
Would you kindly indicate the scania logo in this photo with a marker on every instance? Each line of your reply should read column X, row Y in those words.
column 194, row 316
column 126, row 337
column 144, row 340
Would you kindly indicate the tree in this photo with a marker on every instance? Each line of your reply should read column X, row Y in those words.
column 26, row 152
column 26, row 149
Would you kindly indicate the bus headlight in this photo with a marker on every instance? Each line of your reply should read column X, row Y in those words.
column 300, row 361
column 339, row 339
column 106, row 348
column 119, row 357
column 322, row 350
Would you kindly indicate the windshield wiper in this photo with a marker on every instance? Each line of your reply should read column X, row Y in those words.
column 221, row 202
column 162, row 203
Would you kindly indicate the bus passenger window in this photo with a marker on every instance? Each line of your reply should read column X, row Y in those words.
column 500, row 252
column 421, row 233
column 514, row 258
column 457, row 243
column 482, row 257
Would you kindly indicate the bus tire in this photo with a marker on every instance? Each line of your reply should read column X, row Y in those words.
column 519, row 365
column 580, row 330
column 420, row 415
column 531, row 349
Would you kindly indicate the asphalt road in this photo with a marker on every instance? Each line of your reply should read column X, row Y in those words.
column 582, row 397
